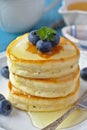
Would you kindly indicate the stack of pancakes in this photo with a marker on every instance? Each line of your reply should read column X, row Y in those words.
column 43, row 81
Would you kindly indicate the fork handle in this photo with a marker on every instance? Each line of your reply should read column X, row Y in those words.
column 56, row 123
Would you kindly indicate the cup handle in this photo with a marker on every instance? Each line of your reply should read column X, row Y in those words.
column 52, row 5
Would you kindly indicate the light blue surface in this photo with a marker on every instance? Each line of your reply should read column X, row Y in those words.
column 46, row 20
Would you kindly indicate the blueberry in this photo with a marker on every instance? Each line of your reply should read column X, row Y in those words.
column 1, row 97
column 83, row 73
column 33, row 38
column 56, row 40
column 43, row 46
column 5, row 72
column 5, row 107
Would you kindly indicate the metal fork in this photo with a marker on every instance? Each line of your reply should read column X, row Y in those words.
column 80, row 104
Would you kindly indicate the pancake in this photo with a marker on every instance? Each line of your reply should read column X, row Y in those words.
column 58, row 87
column 43, row 81
column 28, row 102
column 26, row 61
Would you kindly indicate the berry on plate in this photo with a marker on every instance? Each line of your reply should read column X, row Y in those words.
column 83, row 73
column 5, row 107
column 5, row 72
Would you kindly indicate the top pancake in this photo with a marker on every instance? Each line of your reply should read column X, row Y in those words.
column 25, row 60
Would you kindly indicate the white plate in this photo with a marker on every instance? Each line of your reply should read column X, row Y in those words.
column 19, row 120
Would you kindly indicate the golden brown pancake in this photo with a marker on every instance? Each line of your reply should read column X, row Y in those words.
column 25, row 60
column 46, row 87
column 43, row 81
column 28, row 102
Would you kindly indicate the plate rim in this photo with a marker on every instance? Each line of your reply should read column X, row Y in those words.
column 2, row 54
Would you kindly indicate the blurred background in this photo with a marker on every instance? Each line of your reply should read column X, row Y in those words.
column 15, row 15
column 51, row 18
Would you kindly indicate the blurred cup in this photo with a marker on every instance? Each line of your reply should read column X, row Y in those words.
column 20, row 15
column 78, row 35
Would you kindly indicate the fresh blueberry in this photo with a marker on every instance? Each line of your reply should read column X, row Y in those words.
column 5, row 72
column 33, row 38
column 56, row 40
column 1, row 97
column 5, row 107
column 83, row 73
column 43, row 46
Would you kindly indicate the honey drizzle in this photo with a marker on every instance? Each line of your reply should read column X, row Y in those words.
column 32, row 48
column 78, row 6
